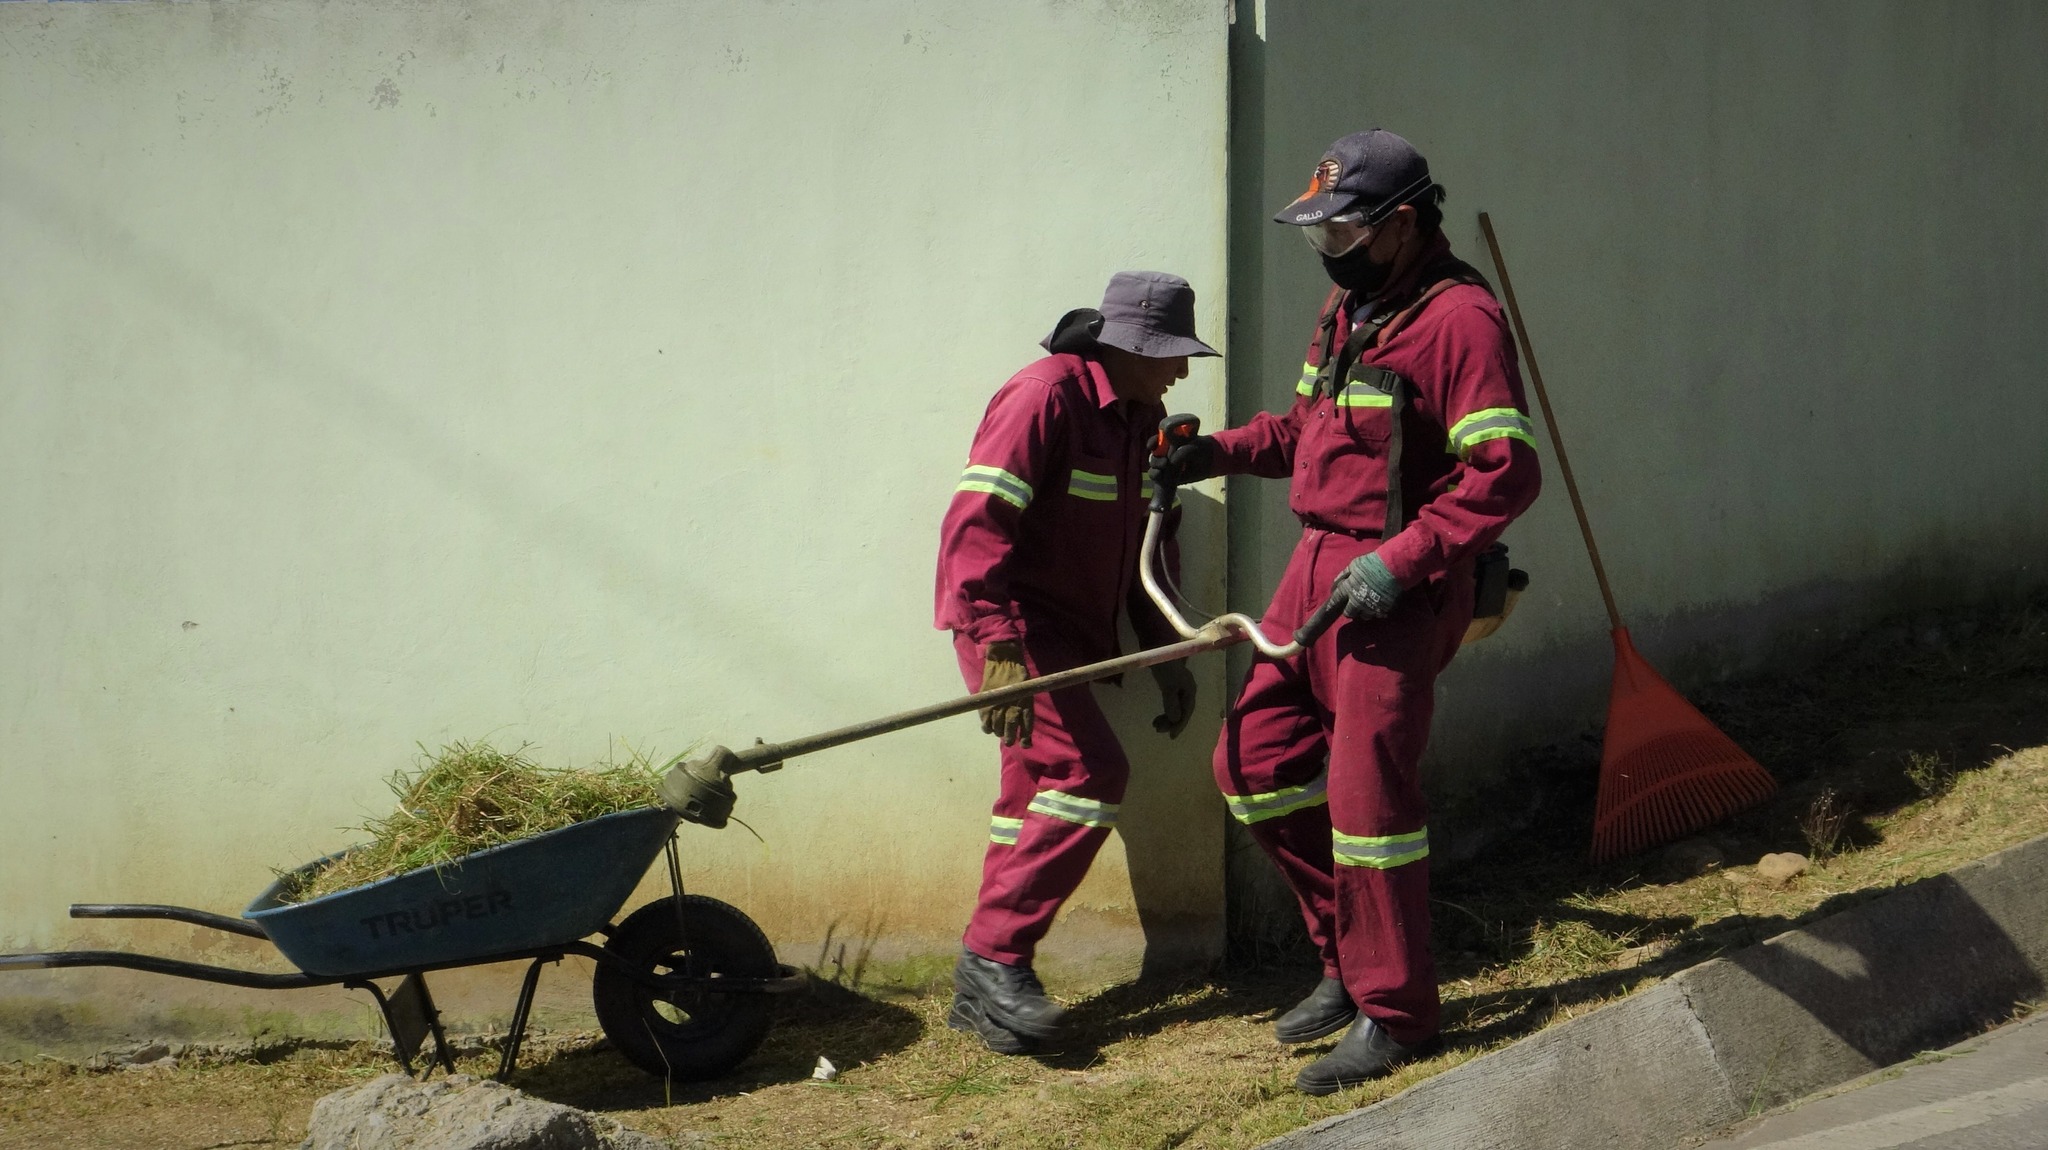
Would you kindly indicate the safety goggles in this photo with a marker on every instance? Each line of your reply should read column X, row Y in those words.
column 1340, row 235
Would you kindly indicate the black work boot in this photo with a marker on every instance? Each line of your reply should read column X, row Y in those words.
column 1008, row 996
column 968, row 1016
column 1364, row 1054
column 1327, row 1010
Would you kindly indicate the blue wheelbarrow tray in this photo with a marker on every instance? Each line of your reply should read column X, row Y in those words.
column 522, row 896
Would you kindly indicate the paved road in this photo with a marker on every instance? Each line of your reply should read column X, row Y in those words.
column 1990, row 1093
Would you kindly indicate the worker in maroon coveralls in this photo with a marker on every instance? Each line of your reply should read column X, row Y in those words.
column 1038, row 554
column 1409, row 450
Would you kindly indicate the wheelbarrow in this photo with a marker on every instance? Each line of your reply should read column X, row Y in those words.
column 680, row 988
column 682, row 985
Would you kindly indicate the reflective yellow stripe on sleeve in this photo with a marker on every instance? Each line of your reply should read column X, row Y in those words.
column 1489, row 423
column 1002, row 831
column 997, row 482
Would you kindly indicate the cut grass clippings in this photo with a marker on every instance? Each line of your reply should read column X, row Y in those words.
column 469, row 797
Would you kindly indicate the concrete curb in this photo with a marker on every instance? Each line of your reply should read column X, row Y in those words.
column 1913, row 970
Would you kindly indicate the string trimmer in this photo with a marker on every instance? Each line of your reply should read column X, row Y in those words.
column 700, row 789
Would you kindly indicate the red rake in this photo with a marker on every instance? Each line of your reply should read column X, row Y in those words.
column 1665, row 771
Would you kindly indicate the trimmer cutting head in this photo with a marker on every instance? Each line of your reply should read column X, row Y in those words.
column 700, row 789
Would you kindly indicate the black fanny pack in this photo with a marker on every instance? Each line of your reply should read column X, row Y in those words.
column 1496, row 586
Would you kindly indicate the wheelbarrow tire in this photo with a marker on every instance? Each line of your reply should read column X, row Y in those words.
column 696, row 1035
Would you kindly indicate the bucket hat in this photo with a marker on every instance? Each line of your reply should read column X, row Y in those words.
column 1145, row 313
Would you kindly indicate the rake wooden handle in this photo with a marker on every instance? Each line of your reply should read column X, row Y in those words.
column 1564, row 463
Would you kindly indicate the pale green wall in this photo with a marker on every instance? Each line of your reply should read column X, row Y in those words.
column 1785, row 266
column 379, row 373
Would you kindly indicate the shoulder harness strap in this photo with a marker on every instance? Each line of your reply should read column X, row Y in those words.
column 1343, row 367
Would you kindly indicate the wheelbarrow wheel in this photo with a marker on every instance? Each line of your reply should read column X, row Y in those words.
column 694, row 1034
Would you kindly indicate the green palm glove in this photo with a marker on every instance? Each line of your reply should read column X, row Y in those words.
column 1370, row 587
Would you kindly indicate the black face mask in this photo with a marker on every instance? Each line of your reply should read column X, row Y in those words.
column 1356, row 273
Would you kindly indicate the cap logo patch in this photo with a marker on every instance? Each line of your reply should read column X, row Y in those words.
column 1324, row 179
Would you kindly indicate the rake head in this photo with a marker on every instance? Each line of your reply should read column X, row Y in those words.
column 1665, row 771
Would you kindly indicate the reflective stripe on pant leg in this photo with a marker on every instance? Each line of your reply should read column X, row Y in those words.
column 1379, row 851
column 1074, row 809
column 1274, row 742
column 1073, row 756
column 1002, row 831
column 1383, row 703
column 1249, row 809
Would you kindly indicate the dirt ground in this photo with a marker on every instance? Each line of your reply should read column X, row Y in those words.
column 1919, row 747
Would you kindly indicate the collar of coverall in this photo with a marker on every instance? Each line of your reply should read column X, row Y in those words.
column 1399, row 290
column 1096, row 377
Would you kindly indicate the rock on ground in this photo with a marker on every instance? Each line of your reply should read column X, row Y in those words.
column 1781, row 868
column 458, row 1113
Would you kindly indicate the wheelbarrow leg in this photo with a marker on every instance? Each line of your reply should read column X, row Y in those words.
column 675, row 883
column 517, row 1035
column 410, row 1016
column 441, row 1052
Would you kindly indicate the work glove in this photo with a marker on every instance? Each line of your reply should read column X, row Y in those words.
column 1369, row 588
column 1186, row 463
column 1002, row 665
column 1176, row 698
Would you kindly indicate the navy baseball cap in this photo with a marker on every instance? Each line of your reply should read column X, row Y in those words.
column 1374, row 171
column 1145, row 313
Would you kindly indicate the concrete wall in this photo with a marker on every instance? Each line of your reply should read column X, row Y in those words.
column 389, row 372
column 1784, row 266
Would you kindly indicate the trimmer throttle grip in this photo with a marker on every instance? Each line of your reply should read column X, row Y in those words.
column 1174, row 431
column 1325, row 615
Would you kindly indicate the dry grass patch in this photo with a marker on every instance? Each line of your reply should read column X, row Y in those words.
column 57, row 1106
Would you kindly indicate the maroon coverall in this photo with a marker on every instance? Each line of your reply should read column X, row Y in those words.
column 1320, row 754
column 1040, row 545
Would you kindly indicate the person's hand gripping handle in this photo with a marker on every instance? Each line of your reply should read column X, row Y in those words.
column 1182, row 454
column 1331, row 610
column 1179, row 455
